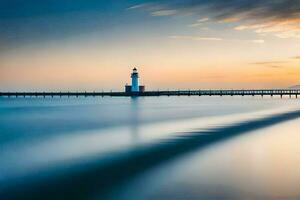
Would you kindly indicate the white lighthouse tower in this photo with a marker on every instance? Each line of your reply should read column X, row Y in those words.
column 134, row 80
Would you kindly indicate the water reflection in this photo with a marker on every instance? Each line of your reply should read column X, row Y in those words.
column 113, row 168
column 263, row 164
column 79, row 148
column 134, row 116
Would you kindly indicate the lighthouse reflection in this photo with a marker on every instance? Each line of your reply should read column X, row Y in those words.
column 134, row 118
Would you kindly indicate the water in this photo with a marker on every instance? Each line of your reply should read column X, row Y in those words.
column 149, row 148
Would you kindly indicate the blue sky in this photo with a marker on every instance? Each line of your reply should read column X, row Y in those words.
column 33, row 20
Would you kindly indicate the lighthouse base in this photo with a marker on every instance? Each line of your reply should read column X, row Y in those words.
column 128, row 88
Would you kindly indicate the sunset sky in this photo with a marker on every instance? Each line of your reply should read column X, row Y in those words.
column 175, row 44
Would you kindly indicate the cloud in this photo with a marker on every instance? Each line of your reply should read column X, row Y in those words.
column 275, row 66
column 201, row 38
column 281, row 29
column 296, row 57
column 163, row 13
column 196, row 38
column 278, row 17
column 203, row 20
column 269, row 63
column 139, row 6
column 199, row 22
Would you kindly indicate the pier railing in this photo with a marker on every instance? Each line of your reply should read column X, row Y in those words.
column 274, row 92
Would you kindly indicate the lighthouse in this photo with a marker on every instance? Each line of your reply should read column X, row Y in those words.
column 134, row 80
column 134, row 89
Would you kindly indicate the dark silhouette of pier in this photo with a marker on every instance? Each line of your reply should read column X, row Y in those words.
column 274, row 92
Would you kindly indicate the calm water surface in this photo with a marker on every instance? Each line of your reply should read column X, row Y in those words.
column 150, row 148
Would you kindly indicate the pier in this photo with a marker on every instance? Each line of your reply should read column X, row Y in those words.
column 275, row 92
column 136, row 90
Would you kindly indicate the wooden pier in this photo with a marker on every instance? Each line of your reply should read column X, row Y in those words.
column 275, row 92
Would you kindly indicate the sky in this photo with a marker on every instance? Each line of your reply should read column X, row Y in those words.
column 78, row 45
